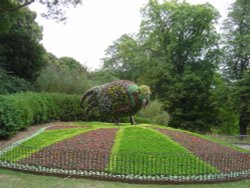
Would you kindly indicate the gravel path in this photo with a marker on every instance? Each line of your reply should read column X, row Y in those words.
column 21, row 135
column 243, row 146
column 58, row 127
column 30, row 131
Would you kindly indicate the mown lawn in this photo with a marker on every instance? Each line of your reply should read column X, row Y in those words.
column 11, row 179
column 131, row 155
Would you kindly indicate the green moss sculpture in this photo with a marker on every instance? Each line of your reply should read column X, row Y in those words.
column 117, row 99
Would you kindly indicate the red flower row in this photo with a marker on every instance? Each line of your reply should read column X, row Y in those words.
column 88, row 151
column 224, row 158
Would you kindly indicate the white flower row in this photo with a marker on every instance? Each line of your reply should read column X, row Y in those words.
column 132, row 177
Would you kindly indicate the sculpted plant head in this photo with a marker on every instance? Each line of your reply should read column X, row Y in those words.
column 144, row 95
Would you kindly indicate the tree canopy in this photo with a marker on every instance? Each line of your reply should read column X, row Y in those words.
column 237, row 56
column 176, row 52
column 200, row 77
column 21, row 53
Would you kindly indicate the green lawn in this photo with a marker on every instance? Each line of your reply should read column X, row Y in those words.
column 11, row 179
column 131, row 155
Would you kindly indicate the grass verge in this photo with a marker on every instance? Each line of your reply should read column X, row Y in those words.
column 10, row 179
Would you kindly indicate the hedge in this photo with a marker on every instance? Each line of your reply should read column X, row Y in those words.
column 18, row 111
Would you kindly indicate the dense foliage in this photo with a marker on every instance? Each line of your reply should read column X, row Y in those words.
column 153, row 114
column 13, row 84
column 64, row 75
column 237, row 57
column 18, row 111
column 21, row 54
column 9, row 10
column 176, row 53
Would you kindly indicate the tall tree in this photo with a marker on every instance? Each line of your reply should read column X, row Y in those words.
column 54, row 9
column 237, row 54
column 21, row 54
column 6, row 18
column 124, row 58
column 183, row 55
column 176, row 54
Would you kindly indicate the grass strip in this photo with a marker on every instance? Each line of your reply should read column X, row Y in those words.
column 145, row 151
column 115, row 149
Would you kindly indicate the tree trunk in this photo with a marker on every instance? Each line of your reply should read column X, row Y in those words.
column 132, row 120
column 116, row 121
column 243, row 125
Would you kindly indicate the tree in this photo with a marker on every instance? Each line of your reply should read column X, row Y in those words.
column 13, row 84
column 72, row 64
column 223, row 98
column 237, row 53
column 54, row 9
column 243, row 101
column 177, row 54
column 21, row 54
column 124, row 58
column 63, row 75
column 6, row 18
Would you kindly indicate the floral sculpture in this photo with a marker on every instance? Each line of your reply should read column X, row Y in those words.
column 117, row 99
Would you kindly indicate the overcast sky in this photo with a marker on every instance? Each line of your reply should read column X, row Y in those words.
column 94, row 25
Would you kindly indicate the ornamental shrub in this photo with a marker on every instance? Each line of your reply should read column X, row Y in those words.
column 18, row 111
column 154, row 114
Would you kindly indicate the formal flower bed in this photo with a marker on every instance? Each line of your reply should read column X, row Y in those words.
column 225, row 158
column 134, row 153
column 79, row 152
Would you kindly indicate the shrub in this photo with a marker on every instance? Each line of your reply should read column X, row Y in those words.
column 153, row 113
column 18, row 111
column 56, row 79
column 13, row 84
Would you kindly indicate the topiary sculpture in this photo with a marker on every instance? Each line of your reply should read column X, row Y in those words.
column 117, row 99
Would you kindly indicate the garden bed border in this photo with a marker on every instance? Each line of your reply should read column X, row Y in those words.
column 157, row 179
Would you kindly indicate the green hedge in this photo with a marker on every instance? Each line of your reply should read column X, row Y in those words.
column 18, row 111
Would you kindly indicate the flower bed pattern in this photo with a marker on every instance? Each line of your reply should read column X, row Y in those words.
column 87, row 153
column 199, row 146
column 77, row 153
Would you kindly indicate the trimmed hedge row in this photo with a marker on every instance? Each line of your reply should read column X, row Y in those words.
column 18, row 111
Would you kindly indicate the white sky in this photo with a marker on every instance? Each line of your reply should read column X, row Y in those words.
column 92, row 27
